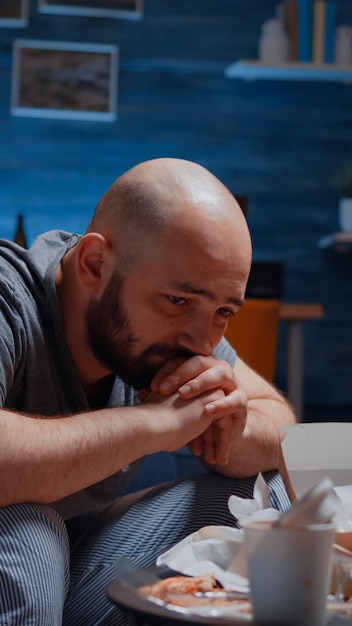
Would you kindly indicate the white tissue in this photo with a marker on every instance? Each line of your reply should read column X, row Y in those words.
column 212, row 549
column 256, row 508
column 219, row 549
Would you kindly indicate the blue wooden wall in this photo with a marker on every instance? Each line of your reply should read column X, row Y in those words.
column 280, row 143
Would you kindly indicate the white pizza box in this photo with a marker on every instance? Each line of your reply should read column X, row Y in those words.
column 312, row 451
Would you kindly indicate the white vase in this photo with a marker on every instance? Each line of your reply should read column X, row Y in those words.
column 345, row 214
column 273, row 44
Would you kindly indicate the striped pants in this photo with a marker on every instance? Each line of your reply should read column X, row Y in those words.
column 54, row 574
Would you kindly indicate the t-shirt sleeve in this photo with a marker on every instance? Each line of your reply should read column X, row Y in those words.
column 225, row 352
column 11, row 345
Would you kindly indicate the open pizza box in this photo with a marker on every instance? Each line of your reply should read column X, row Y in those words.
column 312, row 451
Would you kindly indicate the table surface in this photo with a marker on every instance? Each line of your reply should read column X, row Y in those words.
column 292, row 311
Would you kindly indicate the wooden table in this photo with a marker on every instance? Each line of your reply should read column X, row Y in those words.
column 295, row 315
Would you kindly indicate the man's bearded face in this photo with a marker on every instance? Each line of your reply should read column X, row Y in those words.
column 112, row 340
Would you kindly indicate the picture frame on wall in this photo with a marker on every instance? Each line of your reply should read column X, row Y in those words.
column 127, row 9
column 14, row 13
column 65, row 80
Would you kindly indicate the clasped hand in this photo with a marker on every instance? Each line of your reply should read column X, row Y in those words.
column 191, row 378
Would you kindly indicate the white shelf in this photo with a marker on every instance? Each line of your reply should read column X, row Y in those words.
column 340, row 242
column 255, row 70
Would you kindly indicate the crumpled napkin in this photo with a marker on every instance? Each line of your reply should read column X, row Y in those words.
column 256, row 508
column 212, row 549
column 219, row 549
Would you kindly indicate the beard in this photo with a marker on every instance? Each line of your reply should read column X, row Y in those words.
column 113, row 343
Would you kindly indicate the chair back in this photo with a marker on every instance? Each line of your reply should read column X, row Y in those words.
column 253, row 334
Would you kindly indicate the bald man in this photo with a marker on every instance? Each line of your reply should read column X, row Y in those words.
column 112, row 349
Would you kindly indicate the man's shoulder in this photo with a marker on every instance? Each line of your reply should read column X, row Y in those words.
column 50, row 242
column 53, row 241
column 25, row 270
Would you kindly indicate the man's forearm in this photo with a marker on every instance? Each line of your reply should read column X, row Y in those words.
column 44, row 460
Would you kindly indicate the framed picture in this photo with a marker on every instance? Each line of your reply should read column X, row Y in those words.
column 13, row 13
column 128, row 9
column 64, row 80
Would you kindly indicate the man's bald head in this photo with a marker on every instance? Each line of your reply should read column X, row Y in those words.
column 159, row 195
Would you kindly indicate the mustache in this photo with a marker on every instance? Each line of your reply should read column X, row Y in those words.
column 167, row 352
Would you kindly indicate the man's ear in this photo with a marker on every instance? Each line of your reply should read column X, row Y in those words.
column 93, row 260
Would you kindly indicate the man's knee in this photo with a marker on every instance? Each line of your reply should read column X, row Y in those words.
column 34, row 565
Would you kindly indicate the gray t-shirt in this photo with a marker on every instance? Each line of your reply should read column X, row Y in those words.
column 37, row 374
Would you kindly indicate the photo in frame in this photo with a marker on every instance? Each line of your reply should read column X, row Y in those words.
column 65, row 80
column 127, row 9
column 14, row 13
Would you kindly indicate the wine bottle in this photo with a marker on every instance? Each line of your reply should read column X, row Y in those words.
column 20, row 237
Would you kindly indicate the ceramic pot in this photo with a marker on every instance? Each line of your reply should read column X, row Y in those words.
column 345, row 214
column 273, row 46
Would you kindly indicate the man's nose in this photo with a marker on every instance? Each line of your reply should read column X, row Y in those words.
column 198, row 339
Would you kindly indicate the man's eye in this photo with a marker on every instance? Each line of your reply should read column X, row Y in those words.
column 225, row 312
column 176, row 299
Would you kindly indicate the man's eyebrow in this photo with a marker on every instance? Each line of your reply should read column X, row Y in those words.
column 205, row 293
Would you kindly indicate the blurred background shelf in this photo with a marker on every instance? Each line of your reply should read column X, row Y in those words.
column 255, row 70
column 339, row 242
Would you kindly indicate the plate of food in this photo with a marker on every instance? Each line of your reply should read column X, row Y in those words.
column 160, row 596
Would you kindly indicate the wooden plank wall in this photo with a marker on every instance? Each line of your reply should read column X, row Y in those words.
column 279, row 143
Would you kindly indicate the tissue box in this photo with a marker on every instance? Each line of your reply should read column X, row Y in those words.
column 310, row 452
